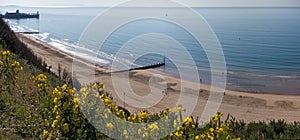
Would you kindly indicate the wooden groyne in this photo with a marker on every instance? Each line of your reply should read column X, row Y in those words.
column 151, row 66
column 29, row 32
column 142, row 67
column 148, row 67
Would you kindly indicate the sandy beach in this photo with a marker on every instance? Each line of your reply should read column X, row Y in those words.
column 242, row 105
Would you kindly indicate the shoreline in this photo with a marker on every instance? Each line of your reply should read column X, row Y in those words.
column 106, row 69
column 249, row 106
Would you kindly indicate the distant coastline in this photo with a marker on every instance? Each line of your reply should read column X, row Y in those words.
column 82, row 6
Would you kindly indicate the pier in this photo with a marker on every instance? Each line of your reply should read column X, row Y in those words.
column 18, row 15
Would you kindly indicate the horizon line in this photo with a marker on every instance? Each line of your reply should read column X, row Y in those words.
column 83, row 6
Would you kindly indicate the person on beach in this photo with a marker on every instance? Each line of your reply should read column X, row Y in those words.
column 163, row 92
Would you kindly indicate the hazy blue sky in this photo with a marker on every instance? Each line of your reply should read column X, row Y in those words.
column 187, row 2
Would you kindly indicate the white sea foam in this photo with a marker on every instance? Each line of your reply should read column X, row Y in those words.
column 20, row 28
column 288, row 76
column 82, row 53
column 16, row 28
column 42, row 36
column 68, row 47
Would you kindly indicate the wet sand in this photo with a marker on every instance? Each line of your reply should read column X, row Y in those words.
column 242, row 105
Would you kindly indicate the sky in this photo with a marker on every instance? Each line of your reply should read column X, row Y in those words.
column 191, row 3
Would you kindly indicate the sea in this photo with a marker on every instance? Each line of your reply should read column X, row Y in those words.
column 261, row 45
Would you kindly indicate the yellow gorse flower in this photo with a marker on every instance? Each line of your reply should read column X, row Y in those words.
column 202, row 136
column 57, row 117
column 221, row 129
column 5, row 53
column 76, row 102
column 66, row 127
column 41, row 78
column 55, row 100
column 109, row 126
column 45, row 134
column 139, row 131
column 71, row 91
column 64, row 87
column 134, row 117
column 145, row 134
column 101, row 86
column 107, row 101
column 125, row 132
column 55, row 92
column 211, row 137
column 175, row 124
column 153, row 127
column 178, row 108
column 188, row 121
column 143, row 114
column 55, row 108
column 54, row 124
column 15, row 64
column 178, row 133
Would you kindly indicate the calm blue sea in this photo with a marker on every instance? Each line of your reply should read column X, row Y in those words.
column 261, row 45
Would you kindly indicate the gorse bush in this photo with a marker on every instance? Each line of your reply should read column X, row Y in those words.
column 29, row 104
column 68, row 121
column 8, row 69
column 33, row 107
column 119, row 123
column 262, row 130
